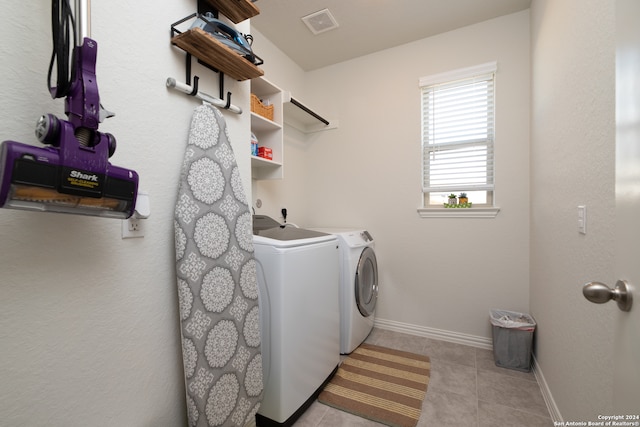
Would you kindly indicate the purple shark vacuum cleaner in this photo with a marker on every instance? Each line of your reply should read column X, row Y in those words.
column 72, row 173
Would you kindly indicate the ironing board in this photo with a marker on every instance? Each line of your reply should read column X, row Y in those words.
column 216, row 278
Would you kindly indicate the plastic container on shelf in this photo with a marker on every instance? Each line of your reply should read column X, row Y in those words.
column 254, row 144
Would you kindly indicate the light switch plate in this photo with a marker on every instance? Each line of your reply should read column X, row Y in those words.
column 582, row 219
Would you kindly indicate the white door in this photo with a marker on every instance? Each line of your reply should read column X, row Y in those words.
column 627, row 351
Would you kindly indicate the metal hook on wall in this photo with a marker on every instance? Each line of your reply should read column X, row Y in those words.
column 194, row 91
column 221, row 86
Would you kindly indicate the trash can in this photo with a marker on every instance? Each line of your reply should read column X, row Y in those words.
column 512, row 339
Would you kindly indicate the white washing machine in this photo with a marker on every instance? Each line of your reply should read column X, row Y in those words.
column 358, row 285
column 298, row 279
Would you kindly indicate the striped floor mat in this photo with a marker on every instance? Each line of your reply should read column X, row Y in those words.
column 380, row 384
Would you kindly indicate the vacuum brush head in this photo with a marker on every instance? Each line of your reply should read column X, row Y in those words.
column 36, row 179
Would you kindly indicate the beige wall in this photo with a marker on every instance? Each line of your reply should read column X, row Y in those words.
column 572, row 163
column 89, row 325
column 443, row 274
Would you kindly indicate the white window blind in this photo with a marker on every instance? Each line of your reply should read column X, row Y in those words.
column 458, row 130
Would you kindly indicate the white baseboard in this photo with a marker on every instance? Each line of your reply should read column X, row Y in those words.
column 554, row 412
column 438, row 334
column 474, row 341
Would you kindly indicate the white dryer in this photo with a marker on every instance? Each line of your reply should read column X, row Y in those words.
column 358, row 285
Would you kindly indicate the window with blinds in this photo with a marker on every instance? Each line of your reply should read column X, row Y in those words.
column 458, row 135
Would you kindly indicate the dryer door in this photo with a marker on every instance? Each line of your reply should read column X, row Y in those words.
column 366, row 285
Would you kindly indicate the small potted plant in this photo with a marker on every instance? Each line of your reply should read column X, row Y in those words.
column 462, row 198
column 452, row 199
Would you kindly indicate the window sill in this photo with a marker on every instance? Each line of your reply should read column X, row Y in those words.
column 488, row 212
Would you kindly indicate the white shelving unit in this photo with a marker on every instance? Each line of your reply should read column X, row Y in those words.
column 268, row 132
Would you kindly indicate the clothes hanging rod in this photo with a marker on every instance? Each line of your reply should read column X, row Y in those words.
column 308, row 111
column 190, row 90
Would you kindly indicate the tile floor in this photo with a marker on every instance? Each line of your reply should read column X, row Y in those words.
column 465, row 389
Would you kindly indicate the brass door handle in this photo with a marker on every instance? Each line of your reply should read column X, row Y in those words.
column 600, row 293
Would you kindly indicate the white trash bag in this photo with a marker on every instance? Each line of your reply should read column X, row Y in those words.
column 512, row 320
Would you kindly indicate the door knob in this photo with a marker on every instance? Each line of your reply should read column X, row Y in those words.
column 600, row 293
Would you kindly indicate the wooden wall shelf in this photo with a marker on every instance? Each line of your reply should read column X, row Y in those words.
column 205, row 47
column 235, row 10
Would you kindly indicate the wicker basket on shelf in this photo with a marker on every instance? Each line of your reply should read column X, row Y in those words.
column 257, row 107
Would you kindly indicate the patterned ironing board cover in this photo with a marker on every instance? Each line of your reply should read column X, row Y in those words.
column 217, row 284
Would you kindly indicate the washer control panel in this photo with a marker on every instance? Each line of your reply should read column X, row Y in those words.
column 357, row 238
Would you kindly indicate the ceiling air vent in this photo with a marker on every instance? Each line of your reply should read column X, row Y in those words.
column 320, row 21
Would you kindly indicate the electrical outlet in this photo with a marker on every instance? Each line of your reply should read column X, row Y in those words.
column 132, row 227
